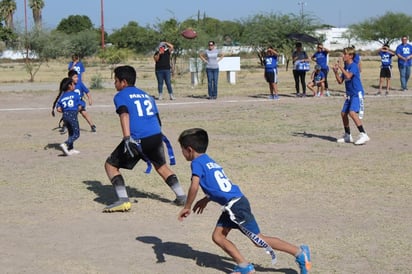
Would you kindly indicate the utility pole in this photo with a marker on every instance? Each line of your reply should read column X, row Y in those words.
column 301, row 4
column 25, row 16
column 102, row 22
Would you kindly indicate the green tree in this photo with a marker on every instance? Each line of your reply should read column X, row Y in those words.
column 84, row 43
column 37, row 49
column 114, row 56
column 7, row 9
column 134, row 37
column 262, row 30
column 74, row 24
column 36, row 7
column 384, row 29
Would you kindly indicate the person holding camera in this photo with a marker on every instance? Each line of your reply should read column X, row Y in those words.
column 386, row 55
column 163, row 69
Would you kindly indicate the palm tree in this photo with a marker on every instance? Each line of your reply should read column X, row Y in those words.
column 7, row 9
column 36, row 7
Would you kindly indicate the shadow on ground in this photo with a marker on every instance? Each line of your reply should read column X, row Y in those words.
column 202, row 259
column 311, row 135
column 106, row 194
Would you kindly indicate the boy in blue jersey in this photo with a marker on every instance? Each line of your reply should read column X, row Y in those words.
column 318, row 81
column 353, row 105
column 77, row 66
column 83, row 92
column 404, row 53
column 69, row 104
column 386, row 68
column 142, row 139
column 271, row 72
column 237, row 214
column 321, row 59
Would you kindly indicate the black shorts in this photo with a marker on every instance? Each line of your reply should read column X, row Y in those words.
column 386, row 72
column 152, row 148
column 271, row 76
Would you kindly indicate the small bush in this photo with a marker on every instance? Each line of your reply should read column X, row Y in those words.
column 96, row 82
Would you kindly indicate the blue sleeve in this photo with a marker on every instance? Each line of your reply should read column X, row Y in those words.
column 83, row 87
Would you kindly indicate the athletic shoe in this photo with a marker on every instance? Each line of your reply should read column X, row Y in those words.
column 271, row 96
column 180, row 200
column 73, row 152
column 327, row 93
column 346, row 138
column 244, row 270
column 276, row 97
column 65, row 149
column 386, row 93
column 363, row 138
column 93, row 127
column 303, row 260
column 378, row 93
column 172, row 97
column 119, row 206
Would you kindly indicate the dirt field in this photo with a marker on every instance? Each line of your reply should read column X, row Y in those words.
column 350, row 204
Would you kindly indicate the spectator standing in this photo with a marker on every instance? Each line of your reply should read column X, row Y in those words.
column 163, row 69
column 211, row 57
column 404, row 53
column 321, row 59
column 271, row 72
column 300, row 66
column 386, row 55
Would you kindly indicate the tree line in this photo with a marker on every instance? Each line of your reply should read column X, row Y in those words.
column 77, row 35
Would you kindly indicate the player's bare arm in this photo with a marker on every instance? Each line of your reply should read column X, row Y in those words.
column 125, row 124
column 194, row 188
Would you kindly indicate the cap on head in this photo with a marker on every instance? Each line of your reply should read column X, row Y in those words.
column 318, row 67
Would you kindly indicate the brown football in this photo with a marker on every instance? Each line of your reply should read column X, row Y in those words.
column 189, row 34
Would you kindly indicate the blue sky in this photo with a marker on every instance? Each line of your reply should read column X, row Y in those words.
column 118, row 13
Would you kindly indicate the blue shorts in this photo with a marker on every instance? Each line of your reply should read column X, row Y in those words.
column 241, row 214
column 352, row 104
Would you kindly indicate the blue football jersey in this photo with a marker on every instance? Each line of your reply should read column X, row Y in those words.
column 386, row 59
column 142, row 111
column 69, row 100
column 81, row 89
column 318, row 76
column 321, row 59
column 79, row 68
column 271, row 62
column 404, row 50
column 213, row 180
column 354, row 84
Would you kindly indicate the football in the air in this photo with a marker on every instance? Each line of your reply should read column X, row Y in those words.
column 189, row 34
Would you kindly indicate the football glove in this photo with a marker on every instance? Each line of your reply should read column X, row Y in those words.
column 129, row 142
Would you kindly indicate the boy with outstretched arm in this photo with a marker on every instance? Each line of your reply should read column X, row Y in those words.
column 237, row 214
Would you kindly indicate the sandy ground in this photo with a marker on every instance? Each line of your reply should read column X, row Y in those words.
column 350, row 204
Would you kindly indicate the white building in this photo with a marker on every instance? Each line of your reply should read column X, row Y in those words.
column 335, row 40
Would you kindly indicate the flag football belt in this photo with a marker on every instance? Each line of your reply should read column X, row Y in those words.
column 252, row 236
column 169, row 152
